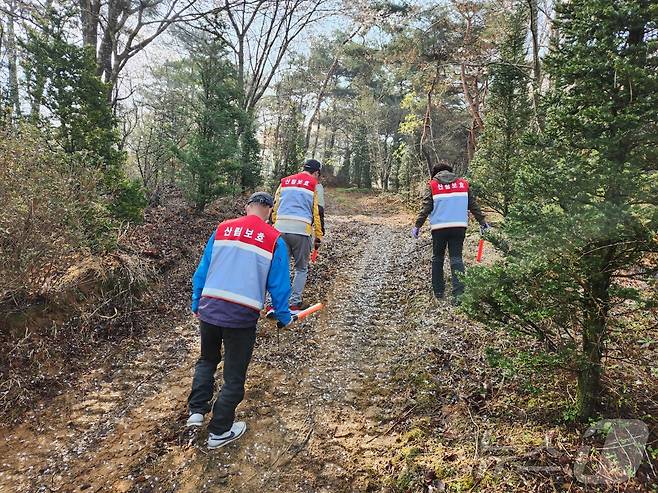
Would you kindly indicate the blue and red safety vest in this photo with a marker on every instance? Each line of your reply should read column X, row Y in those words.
column 243, row 259
column 297, row 195
column 450, row 204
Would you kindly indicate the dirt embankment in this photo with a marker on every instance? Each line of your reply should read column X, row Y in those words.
column 385, row 390
column 99, row 308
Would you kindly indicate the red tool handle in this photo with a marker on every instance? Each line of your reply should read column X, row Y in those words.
column 314, row 255
column 311, row 309
column 480, row 249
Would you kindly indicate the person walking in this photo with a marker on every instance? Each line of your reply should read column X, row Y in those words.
column 446, row 202
column 244, row 258
column 297, row 216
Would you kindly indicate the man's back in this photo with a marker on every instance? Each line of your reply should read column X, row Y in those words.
column 296, row 210
column 236, row 270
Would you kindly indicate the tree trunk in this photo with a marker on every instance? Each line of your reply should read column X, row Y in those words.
column 427, row 128
column 241, row 77
column 89, row 15
column 106, row 50
column 276, row 147
column 317, row 135
column 39, row 83
column 386, row 165
column 318, row 103
column 589, row 377
column 477, row 124
column 472, row 141
column 329, row 150
column 536, row 62
column 473, row 99
column 247, row 174
column 347, row 164
column 12, row 55
column 596, row 304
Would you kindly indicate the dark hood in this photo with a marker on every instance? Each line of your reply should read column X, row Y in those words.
column 445, row 176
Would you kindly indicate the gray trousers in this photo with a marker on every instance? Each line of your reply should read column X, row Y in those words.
column 299, row 246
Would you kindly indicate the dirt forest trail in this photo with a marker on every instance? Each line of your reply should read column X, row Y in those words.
column 320, row 403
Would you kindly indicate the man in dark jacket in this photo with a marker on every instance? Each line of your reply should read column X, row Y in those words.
column 446, row 202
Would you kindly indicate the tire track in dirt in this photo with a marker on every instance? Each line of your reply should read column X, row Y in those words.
column 359, row 342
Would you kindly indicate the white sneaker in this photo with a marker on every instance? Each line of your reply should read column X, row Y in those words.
column 195, row 419
column 236, row 431
column 295, row 309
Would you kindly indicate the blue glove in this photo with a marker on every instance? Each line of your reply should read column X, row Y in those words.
column 415, row 232
column 484, row 228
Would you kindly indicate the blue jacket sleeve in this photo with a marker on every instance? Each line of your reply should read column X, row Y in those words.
column 199, row 278
column 278, row 283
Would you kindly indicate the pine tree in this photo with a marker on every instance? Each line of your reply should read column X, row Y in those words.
column 211, row 156
column 361, row 159
column 500, row 151
column 585, row 218
column 250, row 162
column 290, row 151
column 62, row 76
column 344, row 171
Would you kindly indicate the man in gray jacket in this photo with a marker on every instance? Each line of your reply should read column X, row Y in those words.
column 446, row 202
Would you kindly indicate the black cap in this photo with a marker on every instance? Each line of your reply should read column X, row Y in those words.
column 312, row 165
column 261, row 198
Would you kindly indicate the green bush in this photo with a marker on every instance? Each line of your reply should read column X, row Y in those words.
column 129, row 200
column 81, row 120
column 52, row 209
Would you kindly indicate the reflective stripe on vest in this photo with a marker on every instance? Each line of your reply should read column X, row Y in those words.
column 296, row 199
column 240, row 263
column 450, row 204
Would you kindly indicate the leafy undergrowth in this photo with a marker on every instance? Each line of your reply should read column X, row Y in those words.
column 484, row 413
column 100, row 306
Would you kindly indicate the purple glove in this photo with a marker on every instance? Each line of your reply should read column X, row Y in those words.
column 415, row 232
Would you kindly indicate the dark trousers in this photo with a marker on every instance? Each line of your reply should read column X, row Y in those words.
column 238, row 347
column 453, row 239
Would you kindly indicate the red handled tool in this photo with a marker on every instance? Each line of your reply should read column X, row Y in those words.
column 310, row 310
column 480, row 250
column 300, row 316
column 314, row 255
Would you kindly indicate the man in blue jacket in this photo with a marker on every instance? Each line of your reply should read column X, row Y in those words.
column 244, row 258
